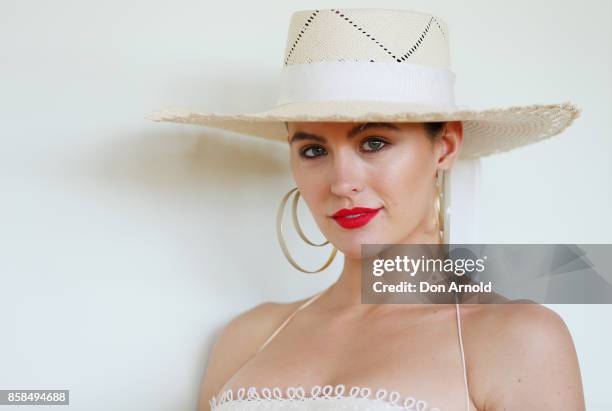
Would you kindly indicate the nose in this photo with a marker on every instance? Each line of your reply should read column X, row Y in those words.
column 346, row 178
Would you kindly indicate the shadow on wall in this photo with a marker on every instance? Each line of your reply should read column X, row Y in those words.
column 177, row 160
column 186, row 180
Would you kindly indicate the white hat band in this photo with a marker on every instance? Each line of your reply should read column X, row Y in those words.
column 359, row 80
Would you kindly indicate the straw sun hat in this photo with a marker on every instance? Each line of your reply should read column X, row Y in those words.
column 380, row 65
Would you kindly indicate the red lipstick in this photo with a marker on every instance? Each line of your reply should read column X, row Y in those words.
column 355, row 217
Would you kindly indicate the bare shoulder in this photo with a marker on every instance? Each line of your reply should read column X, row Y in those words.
column 238, row 340
column 523, row 357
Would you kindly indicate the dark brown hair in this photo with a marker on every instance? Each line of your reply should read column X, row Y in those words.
column 434, row 129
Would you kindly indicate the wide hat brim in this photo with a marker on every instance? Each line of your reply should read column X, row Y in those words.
column 485, row 130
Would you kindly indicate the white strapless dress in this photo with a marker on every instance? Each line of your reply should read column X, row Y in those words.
column 326, row 398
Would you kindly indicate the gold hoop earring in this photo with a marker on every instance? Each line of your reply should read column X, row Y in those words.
column 296, row 223
column 439, row 212
column 281, row 241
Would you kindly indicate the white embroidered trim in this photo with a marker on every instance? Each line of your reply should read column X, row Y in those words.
column 328, row 391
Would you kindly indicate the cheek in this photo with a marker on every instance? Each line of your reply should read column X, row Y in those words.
column 404, row 182
column 310, row 186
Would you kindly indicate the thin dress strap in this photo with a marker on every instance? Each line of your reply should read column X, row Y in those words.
column 304, row 305
column 467, row 392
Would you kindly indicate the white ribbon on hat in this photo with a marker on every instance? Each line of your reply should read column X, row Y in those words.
column 360, row 80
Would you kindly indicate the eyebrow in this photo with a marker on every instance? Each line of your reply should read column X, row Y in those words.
column 359, row 128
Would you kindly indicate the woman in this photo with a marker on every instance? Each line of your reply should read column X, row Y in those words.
column 370, row 134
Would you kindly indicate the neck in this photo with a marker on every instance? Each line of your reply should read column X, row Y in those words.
column 346, row 291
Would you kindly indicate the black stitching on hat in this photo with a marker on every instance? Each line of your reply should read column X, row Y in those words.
column 440, row 27
column 412, row 49
column 368, row 35
column 398, row 59
column 420, row 40
column 299, row 36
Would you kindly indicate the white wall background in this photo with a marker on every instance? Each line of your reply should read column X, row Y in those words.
column 126, row 244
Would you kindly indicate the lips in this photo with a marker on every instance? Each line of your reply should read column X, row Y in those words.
column 355, row 217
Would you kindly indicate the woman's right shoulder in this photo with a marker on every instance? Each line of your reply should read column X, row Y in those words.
column 239, row 339
column 259, row 321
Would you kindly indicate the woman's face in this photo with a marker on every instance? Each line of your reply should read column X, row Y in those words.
column 389, row 167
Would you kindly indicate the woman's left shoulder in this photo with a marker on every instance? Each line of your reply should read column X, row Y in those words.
column 525, row 355
column 520, row 320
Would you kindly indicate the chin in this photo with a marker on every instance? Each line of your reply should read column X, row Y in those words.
column 351, row 247
column 353, row 253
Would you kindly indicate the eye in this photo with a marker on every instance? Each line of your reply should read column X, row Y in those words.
column 312, row 152
column 374, row 143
